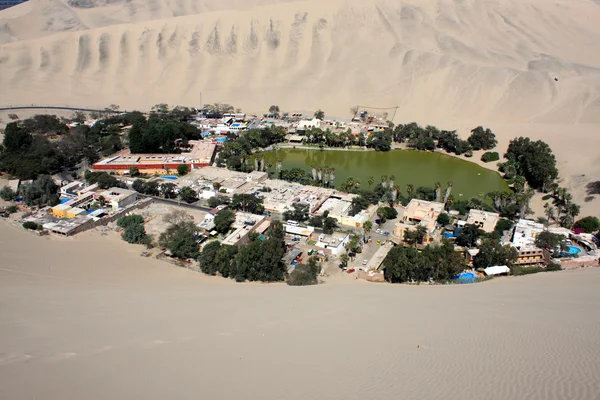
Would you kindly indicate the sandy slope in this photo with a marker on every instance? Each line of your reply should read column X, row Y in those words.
column 450, row 63
column 89, row 318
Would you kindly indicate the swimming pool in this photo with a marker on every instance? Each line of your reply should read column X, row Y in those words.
column 574, row 250
column 170, row 177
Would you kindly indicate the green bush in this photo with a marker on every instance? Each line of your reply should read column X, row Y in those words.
column 489, row 156
column 130, row 220
column 517, row 271
column 32, row 226
column 553, row 267
column 12, row 209
column 547, row 197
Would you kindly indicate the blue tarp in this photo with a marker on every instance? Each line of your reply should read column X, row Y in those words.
column 465, row 277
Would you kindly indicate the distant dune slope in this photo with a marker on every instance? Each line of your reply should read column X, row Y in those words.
column 468, row 60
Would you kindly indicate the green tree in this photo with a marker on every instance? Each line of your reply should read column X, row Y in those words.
column 549, row 240
column 469, row 235
column 368, row 226
column 7, row 194
column 443, row 219
column 223, row 221
column 181, row 239
column 588, row 224
column 482, row 139
column 533, row 160
column 134, row 171
column 135, row 234
column 492, row 253
column 344, row 259
column 208, row 256
column 299, row 212
column 188, row 194
column 320, row 114
column 304, row 275
column 329, row 224
column 130, row 220
column 316, row 221
column 43, row 191
column 248, row 203
column 182, row 169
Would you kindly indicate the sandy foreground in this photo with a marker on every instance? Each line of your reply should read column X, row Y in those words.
column 89, row 318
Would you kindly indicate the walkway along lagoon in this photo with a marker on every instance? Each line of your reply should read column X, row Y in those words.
column 408, row 166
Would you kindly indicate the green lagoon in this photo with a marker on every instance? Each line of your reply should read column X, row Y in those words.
column 408, row 166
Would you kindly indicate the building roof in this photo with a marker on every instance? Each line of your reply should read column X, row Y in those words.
column 201, row 153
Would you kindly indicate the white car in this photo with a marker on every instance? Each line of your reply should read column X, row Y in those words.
column 364, row 262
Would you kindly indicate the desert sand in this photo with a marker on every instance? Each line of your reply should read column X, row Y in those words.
column 89, row 318
column 454, row 64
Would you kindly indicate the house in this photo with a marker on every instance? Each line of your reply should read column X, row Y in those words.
column 525, row 233
column 485, row 220
column 530, row 256
column 334, row 242
column 419, row 212
column 119, row 198
column 309, row 124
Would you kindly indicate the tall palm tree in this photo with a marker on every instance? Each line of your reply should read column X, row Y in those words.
column 325, row 176
column 319, row 174
column 367, row 226
column 384, row 180
column 314, row 172
column 391, row 182
column 438, row 192
column 448, row 191
column 370, row 181
column 574, row 210
column 495, row 197
column 256, row 166
column 409, row 189
column 331, row 176
column 549, row 211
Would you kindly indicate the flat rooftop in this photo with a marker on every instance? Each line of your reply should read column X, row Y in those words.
column 201, row 153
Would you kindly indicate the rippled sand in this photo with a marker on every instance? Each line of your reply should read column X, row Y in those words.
column 90, row 319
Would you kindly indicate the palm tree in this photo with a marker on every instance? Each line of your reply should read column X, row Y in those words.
column 319, row 174
column 262, row 164
column 391, row 182
column 574, row 210
column 438, row 192
column 325, row 176
column 448, row 191
column 344, row 258
column 549, row 211
column 409, row 189
column 370, row 181
column 367, row 226
column 331, row 176
column 495, row 197
column 519, row 183
column 384, row 181
column 314, row 172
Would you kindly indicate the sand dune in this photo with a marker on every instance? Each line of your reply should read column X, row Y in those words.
column 450, row 63
column 120, row 326
column 487, row 60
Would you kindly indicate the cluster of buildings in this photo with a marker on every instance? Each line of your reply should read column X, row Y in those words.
column 83, row 207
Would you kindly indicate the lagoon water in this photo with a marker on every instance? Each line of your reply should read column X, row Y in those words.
column 409, row 167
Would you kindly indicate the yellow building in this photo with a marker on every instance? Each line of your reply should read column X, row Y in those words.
column 60, row 211
column 75, row 212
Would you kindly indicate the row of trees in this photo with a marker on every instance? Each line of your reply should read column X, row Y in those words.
column 240, row 153
column 257, row 261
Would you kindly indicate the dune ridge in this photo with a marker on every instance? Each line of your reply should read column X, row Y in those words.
column 490, row 60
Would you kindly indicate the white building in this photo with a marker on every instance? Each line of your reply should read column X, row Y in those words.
column 119, row 198
column 334, row 242
column 525, row 233
column 309, row 124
